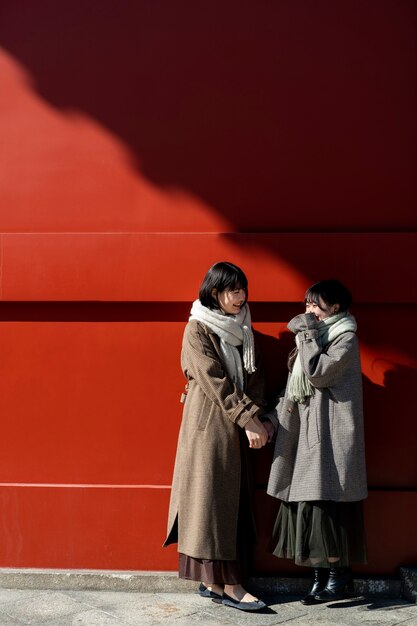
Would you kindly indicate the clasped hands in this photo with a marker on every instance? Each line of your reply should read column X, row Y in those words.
column 259, row 433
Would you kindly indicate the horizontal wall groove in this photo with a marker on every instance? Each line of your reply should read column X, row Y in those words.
column 262, row 487
column 174, row 233
column 149, row 311
column 79, row 486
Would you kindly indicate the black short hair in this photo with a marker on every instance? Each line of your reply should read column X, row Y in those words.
column 221, row 276
column 331, row 291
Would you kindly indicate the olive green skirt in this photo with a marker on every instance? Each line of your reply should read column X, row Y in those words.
column 320, row 534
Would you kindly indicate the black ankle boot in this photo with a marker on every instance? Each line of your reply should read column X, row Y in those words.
column 339, row 585
column 321, row 575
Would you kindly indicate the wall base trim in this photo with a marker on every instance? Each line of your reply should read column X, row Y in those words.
column 409, row 578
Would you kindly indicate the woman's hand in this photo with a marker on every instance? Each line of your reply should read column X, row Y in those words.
column 304, row 321
column 269, row 427
column 256, row 433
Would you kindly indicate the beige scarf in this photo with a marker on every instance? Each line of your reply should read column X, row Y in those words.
column 233, row 331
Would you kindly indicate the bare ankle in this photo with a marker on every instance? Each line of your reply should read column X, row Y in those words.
column 237, row 592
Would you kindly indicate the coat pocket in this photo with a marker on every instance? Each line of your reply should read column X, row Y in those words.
column 313, row 433
column 205, row 412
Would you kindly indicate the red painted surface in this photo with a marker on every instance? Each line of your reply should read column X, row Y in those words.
column 90, row 527
column 127, row 267
column 140, row 143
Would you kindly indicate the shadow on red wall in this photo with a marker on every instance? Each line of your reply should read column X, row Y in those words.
column 276, row 115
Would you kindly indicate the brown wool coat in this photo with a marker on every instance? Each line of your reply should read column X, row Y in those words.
column 319, row 449
column 206, row 481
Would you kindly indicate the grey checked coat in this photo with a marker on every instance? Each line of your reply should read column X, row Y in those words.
column 319, row 448
column 206, row 482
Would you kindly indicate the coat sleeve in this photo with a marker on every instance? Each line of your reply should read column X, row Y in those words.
column 201, row 362
column 325, row 368
column 273, row 414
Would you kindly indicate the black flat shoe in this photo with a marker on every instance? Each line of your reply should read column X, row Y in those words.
column 204, row 592
column 256, row 605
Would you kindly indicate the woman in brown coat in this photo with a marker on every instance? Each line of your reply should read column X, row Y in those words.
column 318, row 470
column 210, row 515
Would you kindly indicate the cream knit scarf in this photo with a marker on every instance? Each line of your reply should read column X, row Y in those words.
column 299, row 386
column 233, row 331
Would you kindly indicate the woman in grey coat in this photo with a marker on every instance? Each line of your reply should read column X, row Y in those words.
column 318, row 468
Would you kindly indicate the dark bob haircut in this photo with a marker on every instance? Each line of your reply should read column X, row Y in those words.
column 221, row 276
column 331, row 292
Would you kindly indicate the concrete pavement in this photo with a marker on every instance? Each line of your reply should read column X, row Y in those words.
column 170, row 601
column 123, row 608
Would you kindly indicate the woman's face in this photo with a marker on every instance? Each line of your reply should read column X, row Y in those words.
column 321, row 310
column 230, row 302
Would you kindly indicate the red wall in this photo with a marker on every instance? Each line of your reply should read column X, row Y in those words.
column 140, row 142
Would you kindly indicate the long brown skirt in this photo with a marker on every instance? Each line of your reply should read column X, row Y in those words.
column 228, row 572
column 209, row 572
column 320, row 534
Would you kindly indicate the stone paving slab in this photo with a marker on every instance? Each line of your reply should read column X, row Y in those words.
column 123, row 608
